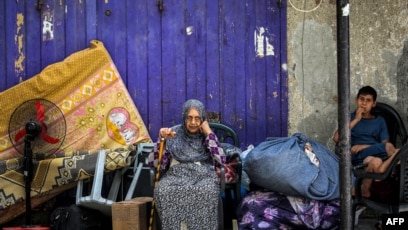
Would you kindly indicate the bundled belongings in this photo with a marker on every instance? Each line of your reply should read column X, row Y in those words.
column 294, row 166
column 273, row 210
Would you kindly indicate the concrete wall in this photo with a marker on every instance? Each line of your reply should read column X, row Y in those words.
column 378, row 57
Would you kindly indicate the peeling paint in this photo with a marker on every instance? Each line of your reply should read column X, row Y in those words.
column 48, row 26
column 285, row 66
column 262, row 44
column 18, row 39
column 345, row 11
column 18, row 63
column 189, row 30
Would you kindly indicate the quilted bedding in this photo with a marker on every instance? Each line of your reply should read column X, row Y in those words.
column 99, row 113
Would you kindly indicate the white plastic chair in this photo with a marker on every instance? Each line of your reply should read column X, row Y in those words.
column 95, row 200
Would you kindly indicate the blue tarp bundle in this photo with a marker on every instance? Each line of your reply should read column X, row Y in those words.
column 281, row 165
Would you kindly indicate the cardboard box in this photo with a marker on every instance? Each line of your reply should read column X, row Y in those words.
column 131, row 214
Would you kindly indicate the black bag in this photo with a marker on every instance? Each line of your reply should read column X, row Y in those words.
column 78, row 218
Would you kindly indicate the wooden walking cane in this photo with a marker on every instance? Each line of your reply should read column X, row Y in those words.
column 156, row 181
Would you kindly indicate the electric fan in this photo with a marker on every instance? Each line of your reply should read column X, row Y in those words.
column 36, row 127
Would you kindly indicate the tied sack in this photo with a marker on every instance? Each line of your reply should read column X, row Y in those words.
column 294, row 166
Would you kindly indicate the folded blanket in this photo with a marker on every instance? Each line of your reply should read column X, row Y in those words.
column 99, row 113
column 87, row 87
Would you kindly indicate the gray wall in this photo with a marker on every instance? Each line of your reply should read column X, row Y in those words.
column 378, row 57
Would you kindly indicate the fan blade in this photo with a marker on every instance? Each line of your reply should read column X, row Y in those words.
column 48, row 138
column 45, row 126
column 19, row 135
column 40, row 111
column 40, row 118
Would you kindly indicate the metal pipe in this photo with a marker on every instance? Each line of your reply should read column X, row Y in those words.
column 343, row 84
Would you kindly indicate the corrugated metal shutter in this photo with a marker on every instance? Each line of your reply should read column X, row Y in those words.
column 229, row 54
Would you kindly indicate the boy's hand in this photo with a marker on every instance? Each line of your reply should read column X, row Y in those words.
column 359, row 113
column 358, row 148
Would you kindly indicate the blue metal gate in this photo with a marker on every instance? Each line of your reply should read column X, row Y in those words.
column 229, row 54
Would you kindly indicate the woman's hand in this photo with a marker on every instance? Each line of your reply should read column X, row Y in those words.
column 166, row 133
column 205, row 128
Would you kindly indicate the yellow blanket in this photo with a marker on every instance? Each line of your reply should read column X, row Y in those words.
column 99, row 113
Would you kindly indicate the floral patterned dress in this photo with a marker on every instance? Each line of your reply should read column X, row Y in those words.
column 188, row 193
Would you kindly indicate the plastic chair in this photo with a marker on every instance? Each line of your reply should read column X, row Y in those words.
column 95, row 200
column 143, row 150
column 395, row 125
column 232, row 191
column 398, row 168
column 227, row 135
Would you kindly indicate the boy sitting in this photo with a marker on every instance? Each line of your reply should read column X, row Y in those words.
column 369, row 137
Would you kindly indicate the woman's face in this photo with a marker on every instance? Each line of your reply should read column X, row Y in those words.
column 193, row 121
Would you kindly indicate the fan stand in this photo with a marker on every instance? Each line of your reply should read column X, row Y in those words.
column 33, row 129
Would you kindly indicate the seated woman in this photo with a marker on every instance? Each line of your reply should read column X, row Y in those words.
column 189, row 191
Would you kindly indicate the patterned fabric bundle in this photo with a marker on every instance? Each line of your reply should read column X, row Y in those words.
column 99, row 113
column 263, row 209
